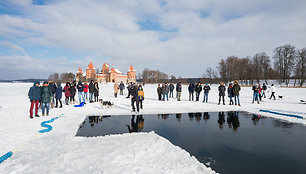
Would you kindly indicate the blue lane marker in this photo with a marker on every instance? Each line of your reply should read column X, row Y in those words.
column 279, row 113
column 48, row 128
column 6, row 156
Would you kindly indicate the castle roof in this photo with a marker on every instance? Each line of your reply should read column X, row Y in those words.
column 79, row 70
column 90, row 66
column 131, row 69
column 115, row 71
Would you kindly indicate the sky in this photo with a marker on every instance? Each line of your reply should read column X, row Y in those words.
column 178, row 37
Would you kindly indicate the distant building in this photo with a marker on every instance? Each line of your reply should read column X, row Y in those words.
column 106, row 74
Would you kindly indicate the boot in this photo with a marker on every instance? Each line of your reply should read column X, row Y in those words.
column 36, row 115
column 61, row 106
column 31, row 117
column 47, row 113
column 43, row 114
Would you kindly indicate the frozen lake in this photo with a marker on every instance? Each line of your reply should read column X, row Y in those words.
column 228, row 142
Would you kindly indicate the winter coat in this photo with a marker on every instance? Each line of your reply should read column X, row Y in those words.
column 264, row 87
column 80, row 87
column 167, row 88
column 273, row 89
column 121, row 86
column 72, row 91
column 140, row 94
column 256, row 89
column 179, row 88
column 67, row 91
column 34, row 92
column 221, row 89
column 163, row 90
column 134, row 93
column 206, row 89
column 230, row 91
column 46, row 94
column 236, row 89
column 58, row 92
column 86, row 88
column 96, row 91
column 52, row 87
column 159, row 90
column 91, row 87
column 198, row 88
column 116, row 88
column 191, row 88
column 171, row 86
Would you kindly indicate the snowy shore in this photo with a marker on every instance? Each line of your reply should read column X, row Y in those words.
column 61, row 152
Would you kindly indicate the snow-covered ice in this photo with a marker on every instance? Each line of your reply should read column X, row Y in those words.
column 59, row 151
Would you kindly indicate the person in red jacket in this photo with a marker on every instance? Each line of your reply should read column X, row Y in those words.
column 67, row 92
column 86, row 86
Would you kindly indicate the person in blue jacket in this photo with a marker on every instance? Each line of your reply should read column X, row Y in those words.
column 230, row 93
column 34, row 96
column 121, row 87
column 191, row 91
column 58, row 95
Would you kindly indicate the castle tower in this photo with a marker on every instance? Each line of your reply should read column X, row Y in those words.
column 131, row 75
column 105, row 69
column 79, row 74
column 90, row 72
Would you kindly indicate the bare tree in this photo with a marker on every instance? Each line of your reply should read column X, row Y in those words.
column 284, row 57
column 300, row 68
column 54, row 77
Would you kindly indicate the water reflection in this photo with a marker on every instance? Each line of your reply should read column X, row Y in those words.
column 136, row 125
column 233, row 120
column 221, row 119
column 255, row 119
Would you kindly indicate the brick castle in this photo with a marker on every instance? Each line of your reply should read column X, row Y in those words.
column 106, row 75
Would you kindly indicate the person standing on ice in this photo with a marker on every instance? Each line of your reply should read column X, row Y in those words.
column 91, row 91
column 140, row 95
column 256, row 93
column 121, row 86
column 178, row 91
column 86, row 91
column 236, row 89
column 191, row 91
column 72, row 93
column 52, row 86
column 129, row 89
column 81, row 92
column 171, row 87
column 273, row 89
column 96, row 91
column 221, row 90
column 159, row 92
column 167, row 90
column 58, row 94
column 134, row 98
column 116, row 89
column 67, row 93
column 264, row 88
column 230, row 93
column 46, row 94
column 34, row 96
column 206, row 89
column 198, row 90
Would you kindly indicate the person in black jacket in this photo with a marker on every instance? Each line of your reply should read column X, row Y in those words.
column 171, row 87
column 206, row 89
column 230, row 93
column 134, row 97
column 198, row 90
column 221, row 90
column 81, row 88
column 52, row 87
column 72, row 93
column 96, row 91
column 191, row 91
column 91, row 91
column 178, row 91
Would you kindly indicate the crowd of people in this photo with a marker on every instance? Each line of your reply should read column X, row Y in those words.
column 49, row 94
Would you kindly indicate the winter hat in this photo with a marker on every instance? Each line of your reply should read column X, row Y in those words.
column 45, row 82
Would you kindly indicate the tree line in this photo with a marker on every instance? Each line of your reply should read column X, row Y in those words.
column 288, row 63
column 63, row 77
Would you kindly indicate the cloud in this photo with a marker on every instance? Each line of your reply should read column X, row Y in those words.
column 172, row 35
column 12, row 46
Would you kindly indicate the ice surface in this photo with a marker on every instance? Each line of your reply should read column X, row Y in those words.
column 59, row 151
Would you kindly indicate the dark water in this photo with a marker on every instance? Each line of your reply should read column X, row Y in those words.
column 228, row 142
